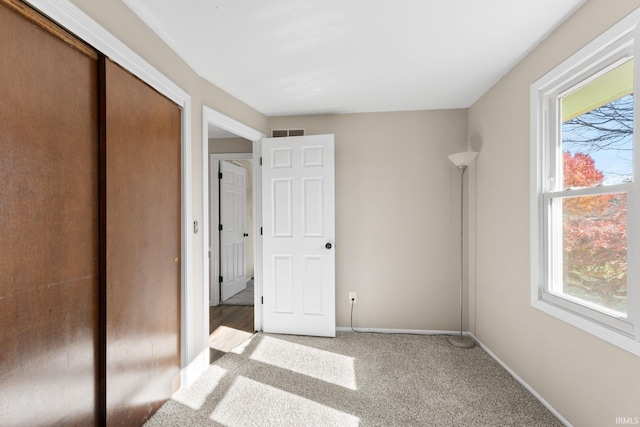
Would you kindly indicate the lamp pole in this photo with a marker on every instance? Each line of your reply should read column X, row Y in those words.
column 460, row 340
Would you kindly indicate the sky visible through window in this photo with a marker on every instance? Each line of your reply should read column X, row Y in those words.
column 605, row 134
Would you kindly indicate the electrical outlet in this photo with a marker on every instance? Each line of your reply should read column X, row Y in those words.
column 352, row 297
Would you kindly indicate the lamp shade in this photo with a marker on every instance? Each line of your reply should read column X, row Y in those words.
column 463, row 159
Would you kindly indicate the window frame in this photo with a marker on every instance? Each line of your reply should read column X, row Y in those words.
column 606, row 52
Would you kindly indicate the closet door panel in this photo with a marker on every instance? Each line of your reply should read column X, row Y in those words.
column 48, row 223
column 143, row 135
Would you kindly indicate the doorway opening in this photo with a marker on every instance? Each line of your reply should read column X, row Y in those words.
column 231, row 278
column 303, row 162
column 232, row 241
column 231, row 216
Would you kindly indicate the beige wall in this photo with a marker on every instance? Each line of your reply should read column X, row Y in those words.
column 230, row 145
column 396, row 215
column 589, row 381
column 120, row 21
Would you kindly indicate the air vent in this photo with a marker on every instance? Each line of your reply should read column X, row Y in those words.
column 281, row 133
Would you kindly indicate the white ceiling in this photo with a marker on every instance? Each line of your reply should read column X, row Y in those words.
column 340, row 56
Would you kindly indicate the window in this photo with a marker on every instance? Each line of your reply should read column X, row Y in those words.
column 585, row 192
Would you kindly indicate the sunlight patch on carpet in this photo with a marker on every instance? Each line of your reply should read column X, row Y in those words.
column 323, row 365
column 225, row 338
column 247, row 397
column 196, row 396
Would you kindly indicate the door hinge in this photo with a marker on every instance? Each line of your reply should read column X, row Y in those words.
column 260, row 161
column 219, row 175
column 219, row 227
column 261, row 300
column 261, row 231
column 220, row 279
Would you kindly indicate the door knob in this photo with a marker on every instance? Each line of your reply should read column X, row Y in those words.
column 246, row 235
column 328, row 246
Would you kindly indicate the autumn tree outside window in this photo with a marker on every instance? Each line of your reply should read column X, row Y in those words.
column 584, row 190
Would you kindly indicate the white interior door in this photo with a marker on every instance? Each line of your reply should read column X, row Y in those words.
column 233, row 188
column 298, row 218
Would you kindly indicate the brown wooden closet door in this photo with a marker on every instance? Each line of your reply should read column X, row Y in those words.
column 48, row 225
column 143, row 135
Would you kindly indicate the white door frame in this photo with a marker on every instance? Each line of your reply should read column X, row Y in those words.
column 214, row 218
column 210, row 116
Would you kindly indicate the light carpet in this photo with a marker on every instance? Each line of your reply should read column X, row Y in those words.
column 355, row 379
column 244, row 297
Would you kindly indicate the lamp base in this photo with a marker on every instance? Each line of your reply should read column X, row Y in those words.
column 462, row 342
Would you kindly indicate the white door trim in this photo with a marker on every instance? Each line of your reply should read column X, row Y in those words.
column 193, row 359
column 210, row 116
column 214, row 218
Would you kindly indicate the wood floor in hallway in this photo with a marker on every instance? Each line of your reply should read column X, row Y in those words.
column 229, row 326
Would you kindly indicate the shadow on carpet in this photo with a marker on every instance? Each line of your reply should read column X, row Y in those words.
column 355, row 379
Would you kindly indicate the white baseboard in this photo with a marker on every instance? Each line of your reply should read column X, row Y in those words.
column 524, row 384
column 515, row 376
column 398, row 331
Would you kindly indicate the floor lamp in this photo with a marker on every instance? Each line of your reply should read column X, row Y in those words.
column 461, row 161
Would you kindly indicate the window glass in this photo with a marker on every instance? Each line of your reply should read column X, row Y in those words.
column 597, row 131
column 594, row 246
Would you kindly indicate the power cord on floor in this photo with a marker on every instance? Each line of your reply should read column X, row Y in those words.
column 352, row 304
column 390, row 332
